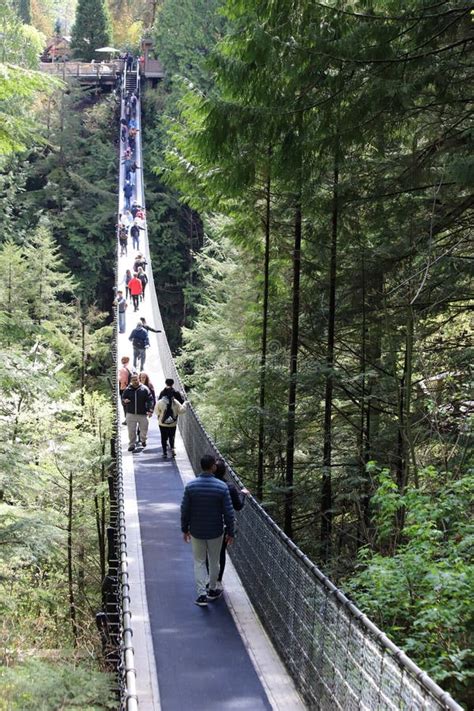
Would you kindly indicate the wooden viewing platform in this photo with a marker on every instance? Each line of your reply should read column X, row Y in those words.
column 85, row 72
column 99, row 72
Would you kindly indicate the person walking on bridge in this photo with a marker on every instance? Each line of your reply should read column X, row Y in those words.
column 135, row 288
column 128, row 163
column 138, row 403
column 123, row 240
column 168, row 408
column 124, row 377
column 128, row 192
column 238, row 500
column 140, row 342
column 206, row 505
column 121, row 304
column 144, row 280
column 135, row 235
column 149, row 328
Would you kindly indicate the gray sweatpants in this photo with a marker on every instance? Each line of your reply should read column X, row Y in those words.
column 132, row 422
column 201, row 547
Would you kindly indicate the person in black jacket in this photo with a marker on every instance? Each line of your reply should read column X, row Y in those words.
column 144, row 280
column 238, row 501
column 135, row 235
column 147, row 327
column 138, row 404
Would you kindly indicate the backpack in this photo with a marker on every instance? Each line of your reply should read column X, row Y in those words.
column 168, row 417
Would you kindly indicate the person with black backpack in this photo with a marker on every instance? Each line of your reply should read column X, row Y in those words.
column 140, row 342
column 170, row 404
column 169, row 388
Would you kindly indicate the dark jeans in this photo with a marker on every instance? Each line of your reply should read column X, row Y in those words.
column 167, row 435
column 221, row 559
column 139, row 354
column 136, row 300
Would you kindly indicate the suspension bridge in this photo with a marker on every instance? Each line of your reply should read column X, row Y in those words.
column 283, row 636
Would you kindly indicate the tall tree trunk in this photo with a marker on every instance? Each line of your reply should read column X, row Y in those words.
column 290, row 440
column 83, row 358
column 374, row 281
column 263, row 353
column 70, row 576
column 364, row 420
column 326, row 484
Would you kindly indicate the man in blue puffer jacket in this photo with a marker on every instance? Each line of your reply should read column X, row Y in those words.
column 205, row 507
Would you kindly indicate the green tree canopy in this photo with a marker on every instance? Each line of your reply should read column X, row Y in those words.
column 91, row 30
column 24, row 10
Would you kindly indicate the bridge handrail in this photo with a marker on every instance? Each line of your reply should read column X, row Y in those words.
column 129, row 698
column 76, row 68
column 319, row 633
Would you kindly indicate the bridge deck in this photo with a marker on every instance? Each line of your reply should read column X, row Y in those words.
column 198, row 651
column 187, row 657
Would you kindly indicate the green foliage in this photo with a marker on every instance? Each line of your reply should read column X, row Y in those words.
column 71, row 181
column 55, row 348
column 20, row 84
column 175, row 230
column 359, row 124
column 91, row 30
column 184, row 46
column 20, row 44
column 41, row 685
column 421, row 595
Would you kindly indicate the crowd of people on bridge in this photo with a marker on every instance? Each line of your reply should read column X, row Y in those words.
column 209, row 503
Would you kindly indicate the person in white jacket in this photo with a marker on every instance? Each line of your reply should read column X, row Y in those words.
column 167, row 409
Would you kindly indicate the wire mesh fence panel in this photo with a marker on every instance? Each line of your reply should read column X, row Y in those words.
column 337, row 658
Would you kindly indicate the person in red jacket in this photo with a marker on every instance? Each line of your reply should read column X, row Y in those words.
column 136, row 289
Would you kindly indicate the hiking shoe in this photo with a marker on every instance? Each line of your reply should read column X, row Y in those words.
column 201, row 601
column 214, row 594
column 173, row 453
column 124, row 422
column 165, row 456
column 131, row 448
column 219, row 585
column 143, row 444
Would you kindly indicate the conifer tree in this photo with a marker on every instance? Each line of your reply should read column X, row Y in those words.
column 24, row 10
column 91, row 30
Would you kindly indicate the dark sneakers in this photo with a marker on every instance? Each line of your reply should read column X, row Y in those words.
column 143, row 444
column 214, row 594
column 201, row 601
column 165, row 456
column 131, row 448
